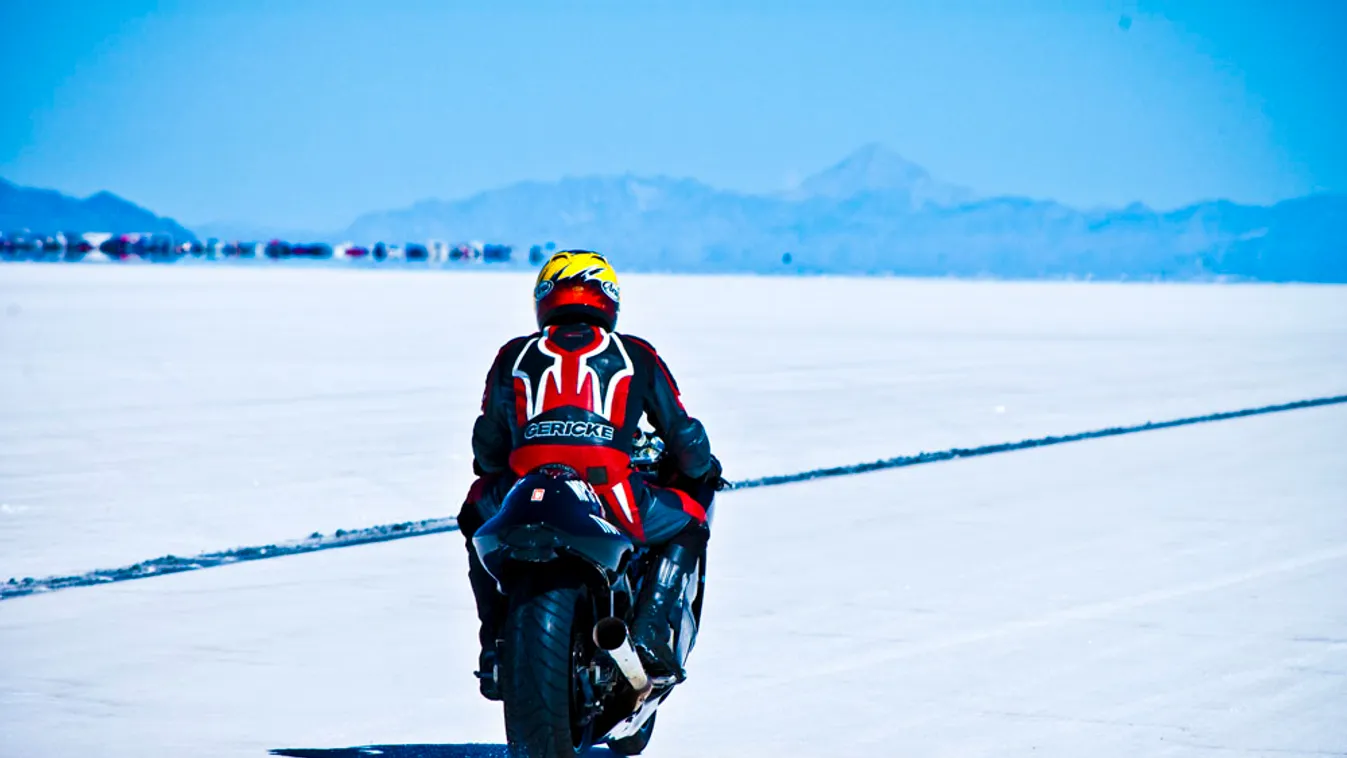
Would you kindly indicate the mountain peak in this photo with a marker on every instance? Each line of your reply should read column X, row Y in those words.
column 46, row 211
column 106, row 199
column 874, row 168
column 878, row 161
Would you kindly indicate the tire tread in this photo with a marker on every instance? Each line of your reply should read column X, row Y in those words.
column 536, row 672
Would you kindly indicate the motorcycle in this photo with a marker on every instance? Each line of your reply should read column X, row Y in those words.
column 567, row 671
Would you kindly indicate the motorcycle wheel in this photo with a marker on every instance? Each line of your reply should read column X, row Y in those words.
column 634, row 744
column 546, row 651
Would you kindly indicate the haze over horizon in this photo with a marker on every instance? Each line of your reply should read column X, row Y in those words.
column 308, row 114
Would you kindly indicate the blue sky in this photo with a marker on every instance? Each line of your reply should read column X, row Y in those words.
column 304, row 114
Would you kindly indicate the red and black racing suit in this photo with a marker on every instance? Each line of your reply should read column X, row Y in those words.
column 574, row 394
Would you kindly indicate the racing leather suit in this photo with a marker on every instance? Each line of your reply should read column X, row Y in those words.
column 574, row 394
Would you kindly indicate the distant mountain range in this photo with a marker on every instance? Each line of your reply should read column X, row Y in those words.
column 42, row 211
column 872, row 213
column 876, row 213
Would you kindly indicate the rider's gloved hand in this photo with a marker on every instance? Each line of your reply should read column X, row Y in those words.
column 713, row 477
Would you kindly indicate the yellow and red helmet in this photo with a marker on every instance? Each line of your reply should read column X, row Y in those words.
column 577, row 285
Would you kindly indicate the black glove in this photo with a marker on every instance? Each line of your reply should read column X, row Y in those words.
column 713, row 477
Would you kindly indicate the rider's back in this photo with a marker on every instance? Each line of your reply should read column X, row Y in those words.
column 575, row 394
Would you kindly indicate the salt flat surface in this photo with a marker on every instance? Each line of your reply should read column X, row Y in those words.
column 1167, row 593
column 147, row 410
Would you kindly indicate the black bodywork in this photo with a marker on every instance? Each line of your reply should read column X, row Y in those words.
column 551, row 524
column 550, row 515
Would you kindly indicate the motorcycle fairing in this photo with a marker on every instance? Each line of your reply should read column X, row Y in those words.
column 547, row 515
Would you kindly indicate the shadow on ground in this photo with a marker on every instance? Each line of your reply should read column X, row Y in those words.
column 466, row 750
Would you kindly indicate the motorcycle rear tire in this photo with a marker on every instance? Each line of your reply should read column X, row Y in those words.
column 544, row 627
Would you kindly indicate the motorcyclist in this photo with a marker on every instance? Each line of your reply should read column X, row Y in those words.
column 574, row 393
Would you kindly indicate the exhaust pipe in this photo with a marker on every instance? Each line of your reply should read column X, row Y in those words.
column 611, row 636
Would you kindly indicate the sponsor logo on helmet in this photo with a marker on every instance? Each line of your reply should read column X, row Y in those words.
column 544, row 287
column 610, row 289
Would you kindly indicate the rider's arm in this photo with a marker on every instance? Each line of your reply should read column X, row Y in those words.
column 492, row 439
column 683, row 436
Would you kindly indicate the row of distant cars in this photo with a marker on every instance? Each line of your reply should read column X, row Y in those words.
column 76, row 246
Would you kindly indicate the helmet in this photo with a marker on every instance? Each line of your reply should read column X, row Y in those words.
column 577, row 285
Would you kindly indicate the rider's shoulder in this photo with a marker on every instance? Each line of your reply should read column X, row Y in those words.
column 634, row 341
column 641, row 348
column 514, row 346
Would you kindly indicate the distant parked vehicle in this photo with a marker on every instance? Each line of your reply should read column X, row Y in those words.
column 160, row 247
column 312, row 250
column 76, row 246
column 119, row 247
column 26, row 246
column 277, row 249
column 464, row 253
column 50, row 248
column 439, row 250
column 415, row 252
column 238, row 249
column 15, row 246
column 496, row 253
column 112, row 247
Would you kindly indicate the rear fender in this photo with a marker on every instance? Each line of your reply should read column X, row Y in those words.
column 544, row 519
